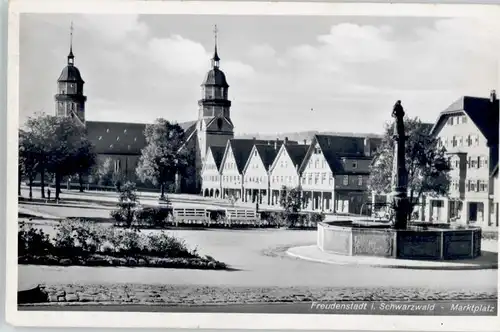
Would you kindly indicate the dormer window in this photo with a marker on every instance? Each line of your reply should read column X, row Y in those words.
column 354, row 164
column 107, row 130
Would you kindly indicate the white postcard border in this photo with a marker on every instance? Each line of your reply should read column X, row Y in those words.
column 204, row 320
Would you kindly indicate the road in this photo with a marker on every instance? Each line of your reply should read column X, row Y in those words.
column 259, row 264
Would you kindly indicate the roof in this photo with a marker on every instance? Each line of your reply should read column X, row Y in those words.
column 297, row 152
column 334, row 148
column 70, row 74
column 215, row 76
column 267, row 154
column 242, row 147
column 481, row 111
column 123, row 137
column 217, row 154
column 116, row 137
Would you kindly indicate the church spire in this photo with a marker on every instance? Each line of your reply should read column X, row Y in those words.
column 71, row 57
column 215, row 58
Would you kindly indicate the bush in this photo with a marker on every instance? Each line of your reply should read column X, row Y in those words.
column 153, row 216
column 75, row 236
column 33, row 241
column 165, row 245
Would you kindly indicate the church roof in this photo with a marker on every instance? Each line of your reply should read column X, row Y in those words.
column 123, row 137
column 116, row 137
column 217, row 154
column 70, row 74
column 215, row 76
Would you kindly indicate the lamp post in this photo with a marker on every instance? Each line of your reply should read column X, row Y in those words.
column 400, row 174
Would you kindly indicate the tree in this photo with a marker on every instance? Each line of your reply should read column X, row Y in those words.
column 426, row 163
column 291, row 201
column 127, row 204
column 59, row 142
column 162, row 157
column 28, row 162
column 85, row 159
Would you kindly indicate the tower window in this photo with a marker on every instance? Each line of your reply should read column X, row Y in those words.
column 219, row 123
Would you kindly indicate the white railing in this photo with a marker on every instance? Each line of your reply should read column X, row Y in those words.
column 241, row 217
column 191, row 216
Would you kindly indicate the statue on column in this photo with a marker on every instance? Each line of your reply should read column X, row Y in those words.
column 400, row 201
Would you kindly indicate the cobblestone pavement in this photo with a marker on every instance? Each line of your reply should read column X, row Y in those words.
column 197, row 295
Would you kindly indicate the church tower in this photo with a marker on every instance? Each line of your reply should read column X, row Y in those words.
column 214, row 119
column 70, row 100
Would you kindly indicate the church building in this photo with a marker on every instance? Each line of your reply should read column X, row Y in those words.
column 121, row 143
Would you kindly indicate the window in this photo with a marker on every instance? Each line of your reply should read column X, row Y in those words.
column 316, row 164
column 323, row 178
column 472, row 162
column 354, row 164
column 450, row 121
column 316, row 178
column 345, row 180
column 454, row 141
column 317, row 150
column 464, row 119
column 472, row 185
column 483, row 186
column 303, row 180
column 255, row 153
column 309, row 179
column 457, row 163
column 469, row 140
column 460, row 141
column 476, row 139
column 330, row 180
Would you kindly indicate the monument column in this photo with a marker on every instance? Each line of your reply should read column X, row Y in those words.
column 400, row 176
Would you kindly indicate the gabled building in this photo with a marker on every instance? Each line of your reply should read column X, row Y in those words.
column 235, row 158
column 468, row 130
column 284, row 171
column 334, row 173
column 256, row 173
column 210, row 174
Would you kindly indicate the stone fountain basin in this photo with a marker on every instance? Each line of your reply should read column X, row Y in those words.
column 420, row 241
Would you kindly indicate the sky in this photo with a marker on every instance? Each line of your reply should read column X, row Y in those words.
column 286, row 73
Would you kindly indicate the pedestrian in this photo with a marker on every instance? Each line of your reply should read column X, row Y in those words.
column 48, row 194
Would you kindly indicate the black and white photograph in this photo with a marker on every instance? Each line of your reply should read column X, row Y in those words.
column 304, row 167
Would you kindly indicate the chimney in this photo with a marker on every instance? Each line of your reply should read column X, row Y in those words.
column 368, row 149
column 253, row 139
column 493, row 96
column 305, row 142
column 276, row 145
column 286, row 141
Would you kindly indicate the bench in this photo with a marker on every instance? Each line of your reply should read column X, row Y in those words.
column 191, row 216
column 241, row 217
